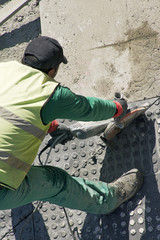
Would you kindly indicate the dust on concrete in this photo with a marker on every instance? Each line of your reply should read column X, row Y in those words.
column 144, row 50
column 143, row 47
column 103, row 85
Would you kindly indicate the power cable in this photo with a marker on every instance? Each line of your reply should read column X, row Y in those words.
column 51, row 143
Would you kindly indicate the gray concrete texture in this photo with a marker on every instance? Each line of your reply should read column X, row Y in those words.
column 111, row 45
column 11, row 9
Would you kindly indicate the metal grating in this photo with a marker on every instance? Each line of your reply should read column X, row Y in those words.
column 137, row 146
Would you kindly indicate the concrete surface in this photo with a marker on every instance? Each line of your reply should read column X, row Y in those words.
column 11, row 8
column 110, row 45
column 18, row 31
column 107, row 43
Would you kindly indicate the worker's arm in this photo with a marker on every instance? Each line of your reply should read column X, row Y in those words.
column 64, row 104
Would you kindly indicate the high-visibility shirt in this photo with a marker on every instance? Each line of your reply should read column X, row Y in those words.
column 23, row 93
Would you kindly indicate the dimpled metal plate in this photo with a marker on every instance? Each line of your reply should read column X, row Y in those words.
column 137, row 146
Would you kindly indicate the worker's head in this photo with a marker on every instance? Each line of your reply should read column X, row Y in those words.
column 45, row 54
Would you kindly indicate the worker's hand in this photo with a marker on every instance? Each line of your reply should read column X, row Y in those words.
column 53, row 126
column 121, row 105
column 62, row 134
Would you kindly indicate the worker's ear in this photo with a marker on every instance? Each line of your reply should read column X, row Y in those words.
column 53, row 72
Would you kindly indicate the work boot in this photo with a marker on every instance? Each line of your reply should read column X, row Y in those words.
column 127, row 185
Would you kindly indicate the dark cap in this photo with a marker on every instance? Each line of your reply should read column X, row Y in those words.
column 47, row 50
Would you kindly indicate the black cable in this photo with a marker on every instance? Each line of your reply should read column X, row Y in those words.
column 51, row 143
column 71, row 231
column 23, row 219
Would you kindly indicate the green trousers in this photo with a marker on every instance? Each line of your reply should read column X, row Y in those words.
column 52, row 184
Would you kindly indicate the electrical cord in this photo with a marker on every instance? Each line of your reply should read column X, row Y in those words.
column 25, row 218
column 51, row 143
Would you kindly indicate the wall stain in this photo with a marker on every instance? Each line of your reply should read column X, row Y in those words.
column 141, row 33
column 143, row 46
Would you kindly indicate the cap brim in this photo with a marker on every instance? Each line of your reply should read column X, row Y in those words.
column 65, row 60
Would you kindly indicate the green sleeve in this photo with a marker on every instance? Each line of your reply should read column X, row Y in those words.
column 64, row 104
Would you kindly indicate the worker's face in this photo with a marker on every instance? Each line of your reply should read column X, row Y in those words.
column 53, row 72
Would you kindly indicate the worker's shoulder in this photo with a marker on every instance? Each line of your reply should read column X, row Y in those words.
column 19, row 67
column 9, row 63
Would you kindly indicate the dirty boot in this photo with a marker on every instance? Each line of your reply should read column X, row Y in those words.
column 127, row 185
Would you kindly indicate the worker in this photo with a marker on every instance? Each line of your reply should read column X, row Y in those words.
column 30, row 99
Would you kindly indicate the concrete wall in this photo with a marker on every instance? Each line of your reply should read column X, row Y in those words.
column 111, row 45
